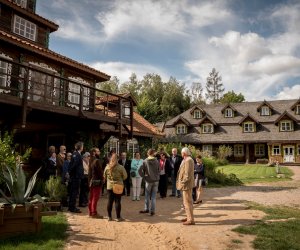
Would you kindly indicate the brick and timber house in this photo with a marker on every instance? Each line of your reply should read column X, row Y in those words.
column 49, row 99
column 255, row 130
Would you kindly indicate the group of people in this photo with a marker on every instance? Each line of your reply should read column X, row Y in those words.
column 87, row 173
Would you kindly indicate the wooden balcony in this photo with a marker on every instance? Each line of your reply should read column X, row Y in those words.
column 33, row 88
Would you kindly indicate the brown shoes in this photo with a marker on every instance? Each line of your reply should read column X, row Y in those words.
column 187, row 223
column 184, row 220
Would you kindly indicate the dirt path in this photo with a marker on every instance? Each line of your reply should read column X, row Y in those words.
column 223, row 209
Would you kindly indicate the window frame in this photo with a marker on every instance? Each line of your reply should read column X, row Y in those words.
column 297, row 109
column 298, row 149
column 22, row 3
column 207, row 148
column 132, row 146
column 27, row 25
column 5, row 79
column 206, row 125
column 248, row 123
column 281, row 126
column 181, row 129
column 228, row 114
column 259, row 150
column 197, row 111
column 265, row 111
column 277, row 149
column 238, row 150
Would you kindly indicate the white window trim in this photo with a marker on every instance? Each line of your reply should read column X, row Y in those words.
column 265, row 111
column 206, row 125
column 298, row 149
column 286, row 122
column 5, row 80
column 297, row 109
column 228, row 112
column 28, row 25
column 132, row 146
column 199, row 114
column 279, row 150
column 238, row 150
column 86, row 93
column 248, row 123
column 22, row 3
column 259, row 149
column 181, row 129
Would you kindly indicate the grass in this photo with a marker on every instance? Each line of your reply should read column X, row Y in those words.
column 275, row 235
column 256, row 173
column 52, row 236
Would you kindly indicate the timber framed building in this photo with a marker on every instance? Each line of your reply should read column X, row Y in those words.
column 255, row 130
column 49, row 99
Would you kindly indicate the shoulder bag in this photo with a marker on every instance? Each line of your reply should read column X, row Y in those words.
column 117, row 188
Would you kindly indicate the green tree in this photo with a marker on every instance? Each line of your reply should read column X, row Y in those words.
column 133, row 86
column 231, row 96
column 214, row 86
column 111, row 86
column 148, row 109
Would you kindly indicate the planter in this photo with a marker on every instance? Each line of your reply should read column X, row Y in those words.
column 21, row 221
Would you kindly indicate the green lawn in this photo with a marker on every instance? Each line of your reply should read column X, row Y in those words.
column 52, row 236
column 255, row 173
column 278, row 235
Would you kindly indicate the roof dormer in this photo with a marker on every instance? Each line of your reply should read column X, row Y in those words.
column 296, row 107
column 265, row 108
column 207, row 125
column 249, row 124
column 197, row 112
column 285, row 122
column 228, row 111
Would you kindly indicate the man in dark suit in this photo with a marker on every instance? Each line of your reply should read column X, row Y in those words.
column 175, row 161
column 76, row 174
column 127, row 165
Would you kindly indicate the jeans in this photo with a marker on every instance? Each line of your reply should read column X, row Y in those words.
column 136, row 186
column 173, row 179
column 151, row 190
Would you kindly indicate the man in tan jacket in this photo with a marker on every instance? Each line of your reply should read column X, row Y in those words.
column 185, row 182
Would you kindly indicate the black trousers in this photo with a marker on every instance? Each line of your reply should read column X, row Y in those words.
column 163, row 185
column 84, row 190
column 111, row 199
column 74, row 190
column 127, row 186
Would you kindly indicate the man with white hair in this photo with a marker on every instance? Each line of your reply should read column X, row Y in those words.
column 185, row 182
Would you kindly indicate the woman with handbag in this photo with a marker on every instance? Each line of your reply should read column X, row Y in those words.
column 114, row 174
column 136, row 179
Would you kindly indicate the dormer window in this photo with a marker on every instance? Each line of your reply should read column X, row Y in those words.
column 286, row 125
column 197, row 114
column 181, row 129
column 228, row 112
column 248, row 127
column 265, row 111
column 297, row 110
column 24, row 28
column 22, row 3
column 207, row 128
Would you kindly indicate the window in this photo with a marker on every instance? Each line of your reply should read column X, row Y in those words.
column 132, row 146
column 259, row 149
column 197, row 114
column 74, row 95
column 286, row 126
column 113, row 144
column 297, row 110
column 265, row 110
column 238, row 150
column 207, row 128
column 22, row 3
column 276, row 150
column 181, row 129
column 248, row 127
column 207, row 148
column 228, row 112
column 5, row 72
column 24, row 28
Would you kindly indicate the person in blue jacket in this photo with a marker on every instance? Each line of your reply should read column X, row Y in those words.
column 136, row 179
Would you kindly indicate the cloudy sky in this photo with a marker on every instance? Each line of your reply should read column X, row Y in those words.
column 255, row 45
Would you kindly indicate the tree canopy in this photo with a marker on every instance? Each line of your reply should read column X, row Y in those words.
column 214, row 86
column 231, row 96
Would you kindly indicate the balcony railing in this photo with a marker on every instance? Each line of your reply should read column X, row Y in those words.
column 42, row 88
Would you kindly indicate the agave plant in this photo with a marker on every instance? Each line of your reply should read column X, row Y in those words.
column 15, row 180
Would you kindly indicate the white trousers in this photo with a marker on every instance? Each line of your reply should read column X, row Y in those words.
column 136, row 186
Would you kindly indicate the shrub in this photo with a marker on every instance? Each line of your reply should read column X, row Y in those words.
column 224, row 152
column 55, row 189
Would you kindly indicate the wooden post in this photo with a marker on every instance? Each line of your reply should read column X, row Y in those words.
column 1, row 215
column 81, row 101
column 24, row 100
column 120, row 117
column 131, row 120
column 247, row 154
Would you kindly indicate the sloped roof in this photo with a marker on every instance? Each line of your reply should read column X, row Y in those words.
column 112, row 98
column 228, row 106
column 53, row 26
column 265, row 103
column 284, row 114
column 181, row 118
column 49, row 54
column 207, row 117
column 246, row 117
column 295, row 104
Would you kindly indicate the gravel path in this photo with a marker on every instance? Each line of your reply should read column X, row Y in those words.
column 223, row 209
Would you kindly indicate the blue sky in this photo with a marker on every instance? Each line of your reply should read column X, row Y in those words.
column 255, row 45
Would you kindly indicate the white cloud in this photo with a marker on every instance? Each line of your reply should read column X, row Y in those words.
column 124, row 70
column 289, row 93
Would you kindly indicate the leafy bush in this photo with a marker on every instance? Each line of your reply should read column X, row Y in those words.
column 55, row 189
column 223, row 152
